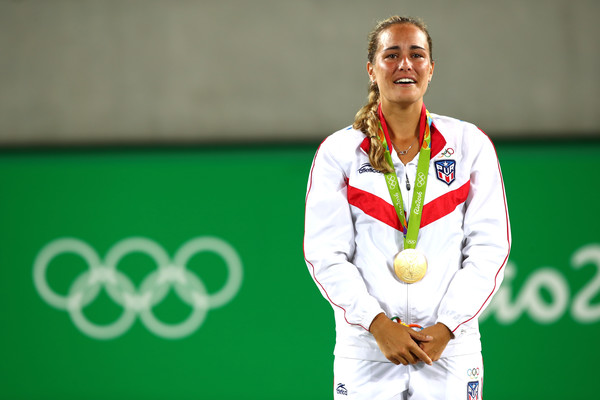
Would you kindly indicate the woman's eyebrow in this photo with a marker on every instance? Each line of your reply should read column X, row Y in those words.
column 412, row 47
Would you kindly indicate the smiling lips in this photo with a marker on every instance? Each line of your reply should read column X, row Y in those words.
column 405, row 81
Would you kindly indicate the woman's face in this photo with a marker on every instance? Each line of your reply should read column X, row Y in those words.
column 401, row 67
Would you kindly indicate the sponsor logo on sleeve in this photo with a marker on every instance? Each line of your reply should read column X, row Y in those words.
column 341, row 389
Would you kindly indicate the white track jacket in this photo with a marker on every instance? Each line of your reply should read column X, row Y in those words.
column 352, row 233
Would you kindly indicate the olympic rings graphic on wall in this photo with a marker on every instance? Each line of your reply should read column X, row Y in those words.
column 170, row 273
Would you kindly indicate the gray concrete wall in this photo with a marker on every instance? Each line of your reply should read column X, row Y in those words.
column 152, row 71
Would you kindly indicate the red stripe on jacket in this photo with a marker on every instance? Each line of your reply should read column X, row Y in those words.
column 385, row 212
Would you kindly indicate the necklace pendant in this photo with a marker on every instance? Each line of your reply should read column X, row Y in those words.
column 405, row 152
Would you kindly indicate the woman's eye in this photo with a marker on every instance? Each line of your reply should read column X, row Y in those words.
column 417, row 55
column 392, row 56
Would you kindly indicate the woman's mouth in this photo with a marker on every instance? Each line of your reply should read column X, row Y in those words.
column 404, row 81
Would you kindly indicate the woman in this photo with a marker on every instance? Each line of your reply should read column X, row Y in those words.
column 406, row 233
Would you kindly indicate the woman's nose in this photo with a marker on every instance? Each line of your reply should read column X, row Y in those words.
column 404, row 64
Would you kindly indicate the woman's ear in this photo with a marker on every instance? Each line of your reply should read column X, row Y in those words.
column 371, row 72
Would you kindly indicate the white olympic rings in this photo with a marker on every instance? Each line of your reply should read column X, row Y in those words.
column 420, row 179
column 392, row 181
column 153, row 289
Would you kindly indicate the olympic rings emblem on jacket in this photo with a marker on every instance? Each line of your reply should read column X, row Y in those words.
column 170, row 273
column 473, row 372
column 448, row 152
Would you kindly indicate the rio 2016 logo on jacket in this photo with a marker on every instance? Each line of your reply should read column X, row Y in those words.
column 170, row 273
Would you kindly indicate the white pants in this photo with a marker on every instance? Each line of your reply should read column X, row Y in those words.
column 456, row 377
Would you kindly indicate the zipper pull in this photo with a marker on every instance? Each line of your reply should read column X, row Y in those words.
column 407, row 183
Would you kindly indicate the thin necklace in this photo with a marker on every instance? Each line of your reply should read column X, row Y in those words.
column 400, row 152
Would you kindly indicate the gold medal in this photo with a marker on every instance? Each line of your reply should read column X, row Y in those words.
column 410, row 265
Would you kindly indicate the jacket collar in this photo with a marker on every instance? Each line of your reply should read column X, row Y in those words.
column 438, row 142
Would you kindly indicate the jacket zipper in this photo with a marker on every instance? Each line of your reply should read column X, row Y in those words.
column 408, row 316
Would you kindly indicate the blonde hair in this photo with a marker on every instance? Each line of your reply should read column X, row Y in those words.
column 366, row 119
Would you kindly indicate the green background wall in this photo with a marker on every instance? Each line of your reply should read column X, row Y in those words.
column 274, row 338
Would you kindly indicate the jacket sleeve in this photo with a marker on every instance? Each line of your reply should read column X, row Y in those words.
column 486, row 243
column 329, row 241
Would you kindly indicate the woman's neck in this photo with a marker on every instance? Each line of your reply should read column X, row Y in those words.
column 402, row 122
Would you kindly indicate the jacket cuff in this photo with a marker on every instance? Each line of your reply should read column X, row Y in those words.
column 457, row 329
column 370, row 314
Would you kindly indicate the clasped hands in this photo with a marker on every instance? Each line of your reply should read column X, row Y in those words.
column 403, row 345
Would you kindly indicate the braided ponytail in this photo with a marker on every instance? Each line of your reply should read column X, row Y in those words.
column 367, row 121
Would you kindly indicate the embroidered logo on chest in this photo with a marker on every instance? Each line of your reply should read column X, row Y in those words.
column 366, row 167
column 445, row 171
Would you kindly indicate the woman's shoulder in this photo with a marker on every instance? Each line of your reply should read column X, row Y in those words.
column 342, row 148
column 454, row 127
column 347, row 135
column 464, row 137
column 343, row 140
column 444, row 122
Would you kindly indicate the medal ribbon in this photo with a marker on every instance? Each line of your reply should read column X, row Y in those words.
column 410, row 230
